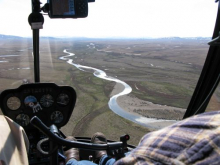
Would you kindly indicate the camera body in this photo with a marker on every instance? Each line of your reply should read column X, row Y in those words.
column 68, row 8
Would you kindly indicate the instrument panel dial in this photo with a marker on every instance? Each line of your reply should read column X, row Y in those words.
column 56, row 117
column 47, row 101
column 13, row 103
column 63, row 99
column 30, row 101
column 23, row 120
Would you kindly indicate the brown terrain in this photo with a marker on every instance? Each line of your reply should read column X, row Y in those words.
column 162, row 73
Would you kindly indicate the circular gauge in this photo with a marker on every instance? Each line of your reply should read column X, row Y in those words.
column 30, row 101
column 63, row 99
column 56, row 117
column 13, row 103
column 46, row 101
column 22, row 120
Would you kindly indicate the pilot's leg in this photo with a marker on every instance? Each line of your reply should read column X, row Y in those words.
column 72, row 155
column 101, row 157
column 14, row 143
column 105, row 160
column 81, row 162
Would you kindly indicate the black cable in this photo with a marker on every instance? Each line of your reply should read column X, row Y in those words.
column 212, row 90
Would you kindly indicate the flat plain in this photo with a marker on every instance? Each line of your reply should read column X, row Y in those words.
column 163, row 72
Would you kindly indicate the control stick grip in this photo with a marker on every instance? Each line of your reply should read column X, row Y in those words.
column 36, row 122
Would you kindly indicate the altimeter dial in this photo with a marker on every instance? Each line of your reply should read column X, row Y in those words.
column 13, row 103
column 63, row 99
column 46, row 101
column 22, row 119
column 56, row 117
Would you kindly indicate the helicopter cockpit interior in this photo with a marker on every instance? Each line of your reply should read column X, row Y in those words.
column 43, row 108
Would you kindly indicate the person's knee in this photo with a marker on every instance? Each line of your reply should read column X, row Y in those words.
column 2, row 162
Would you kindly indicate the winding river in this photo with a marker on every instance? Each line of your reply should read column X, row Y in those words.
column 113, row 105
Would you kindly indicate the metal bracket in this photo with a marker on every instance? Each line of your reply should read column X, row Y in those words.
column 36, row 21
column 215, row 41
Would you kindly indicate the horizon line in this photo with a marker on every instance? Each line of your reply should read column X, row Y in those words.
column 72, row 37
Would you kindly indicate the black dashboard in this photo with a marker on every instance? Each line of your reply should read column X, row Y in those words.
column 51, row 103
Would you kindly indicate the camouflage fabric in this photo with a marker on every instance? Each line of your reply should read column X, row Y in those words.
column 195, row 140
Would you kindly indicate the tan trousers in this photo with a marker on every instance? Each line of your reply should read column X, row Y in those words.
column 14, row 143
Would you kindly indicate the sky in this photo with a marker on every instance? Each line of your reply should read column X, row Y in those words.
column 118, row 18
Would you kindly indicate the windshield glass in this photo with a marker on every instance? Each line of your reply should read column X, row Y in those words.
column 214, row 103
column 134, row 64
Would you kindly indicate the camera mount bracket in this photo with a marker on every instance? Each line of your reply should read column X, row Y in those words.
column 36, row 21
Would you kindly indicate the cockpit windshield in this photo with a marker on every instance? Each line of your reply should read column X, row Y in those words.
column 133, row 63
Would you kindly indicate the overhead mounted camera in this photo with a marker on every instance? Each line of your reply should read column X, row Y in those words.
column 67, row 8
column 55, row 9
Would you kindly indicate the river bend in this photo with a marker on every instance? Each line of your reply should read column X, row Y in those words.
column 113, row 105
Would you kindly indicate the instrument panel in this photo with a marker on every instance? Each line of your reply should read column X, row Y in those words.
column 51, row 103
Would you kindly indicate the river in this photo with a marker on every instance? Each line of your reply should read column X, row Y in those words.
column 113, row 105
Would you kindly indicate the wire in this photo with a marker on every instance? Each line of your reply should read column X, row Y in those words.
column 213, row 88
